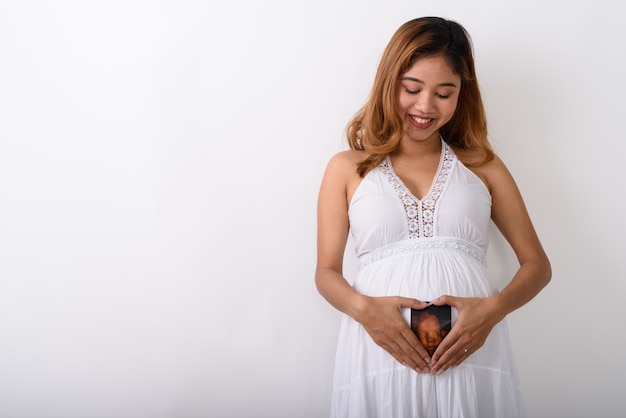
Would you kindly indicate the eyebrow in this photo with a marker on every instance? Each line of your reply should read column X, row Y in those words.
column 417, row 80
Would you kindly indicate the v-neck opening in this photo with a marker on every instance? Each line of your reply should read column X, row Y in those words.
column 421, row 215
column 433, row 181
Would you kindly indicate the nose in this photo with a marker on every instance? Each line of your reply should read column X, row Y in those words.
column 424, row 103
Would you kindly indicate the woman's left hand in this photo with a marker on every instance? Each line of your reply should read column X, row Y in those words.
column 476, row 317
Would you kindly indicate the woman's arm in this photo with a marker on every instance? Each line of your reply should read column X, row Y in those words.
column 477, row 316
column 380, row 316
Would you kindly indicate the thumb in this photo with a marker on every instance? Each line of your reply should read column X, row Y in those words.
column 446, row 300
column 411, row 303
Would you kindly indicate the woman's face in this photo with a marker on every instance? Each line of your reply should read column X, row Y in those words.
column 428, row 96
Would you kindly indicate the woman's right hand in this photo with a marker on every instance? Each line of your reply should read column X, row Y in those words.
column 383, row 320
column 380, row 316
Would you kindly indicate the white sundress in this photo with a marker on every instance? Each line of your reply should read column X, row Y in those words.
column 422, row 248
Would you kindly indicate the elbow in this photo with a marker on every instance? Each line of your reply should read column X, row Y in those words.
column 539, row 270
column 318, row 281
column 321, row 278
column 546, row 271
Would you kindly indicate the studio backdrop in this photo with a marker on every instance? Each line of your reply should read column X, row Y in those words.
column 159, row 169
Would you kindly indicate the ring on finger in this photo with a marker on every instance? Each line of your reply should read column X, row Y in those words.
column 464, row 349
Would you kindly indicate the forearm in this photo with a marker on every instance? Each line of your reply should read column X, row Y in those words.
column 337, row 291
column 532, row 276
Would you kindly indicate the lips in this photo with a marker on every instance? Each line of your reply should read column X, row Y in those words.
column 421, row 123
column 420, row 120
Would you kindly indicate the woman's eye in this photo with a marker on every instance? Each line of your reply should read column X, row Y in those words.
column 441, row 96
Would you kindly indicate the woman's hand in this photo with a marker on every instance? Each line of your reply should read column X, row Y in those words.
column 476, row 317
column 382, row 319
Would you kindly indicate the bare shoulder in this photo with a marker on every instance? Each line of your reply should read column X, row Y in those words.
column 496, row 175
column 343, row 164
column 341, row 172
column 346, row 160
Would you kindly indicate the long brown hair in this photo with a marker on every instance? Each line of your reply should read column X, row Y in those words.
column 378, row 127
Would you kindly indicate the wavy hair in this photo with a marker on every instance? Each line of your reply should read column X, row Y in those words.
column 378, row 127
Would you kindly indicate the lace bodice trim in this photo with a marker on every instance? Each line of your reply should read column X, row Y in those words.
column 424, row 245
column 421, row 213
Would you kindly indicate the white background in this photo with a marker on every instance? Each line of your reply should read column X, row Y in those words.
column 159, row 169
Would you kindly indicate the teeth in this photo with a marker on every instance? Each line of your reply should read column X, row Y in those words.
column 420, row 120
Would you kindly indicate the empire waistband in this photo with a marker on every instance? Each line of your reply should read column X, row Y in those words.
column 423, row 244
